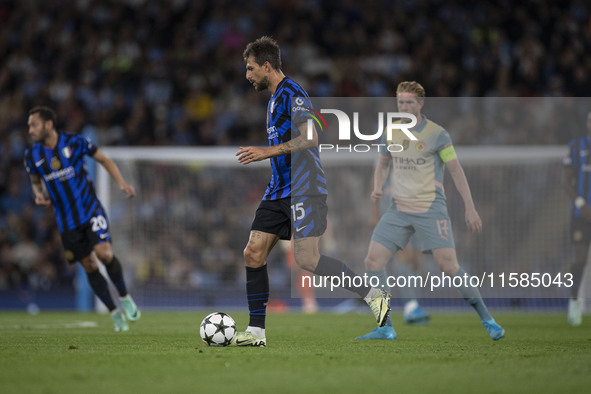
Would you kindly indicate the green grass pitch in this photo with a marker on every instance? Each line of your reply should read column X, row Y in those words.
column 162, row 353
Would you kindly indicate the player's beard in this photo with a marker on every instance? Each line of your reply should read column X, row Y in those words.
column 262, row 85
column 43, row 135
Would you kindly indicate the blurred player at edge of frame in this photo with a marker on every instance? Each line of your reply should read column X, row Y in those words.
column 577, row 183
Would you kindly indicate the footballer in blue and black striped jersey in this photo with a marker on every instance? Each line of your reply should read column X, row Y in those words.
column 294, row 203
column 579, row 162
column 303, row 166
column 63, row 171
column 577, row 184
column 58, row 175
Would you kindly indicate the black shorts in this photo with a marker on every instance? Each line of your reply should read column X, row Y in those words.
column 580, row 230
column 303, row 217
column 79, row 243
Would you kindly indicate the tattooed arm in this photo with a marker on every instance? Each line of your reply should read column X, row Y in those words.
column 249, row 154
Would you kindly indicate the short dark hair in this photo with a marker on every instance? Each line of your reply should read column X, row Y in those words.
column 45, row 113
column 264, row 49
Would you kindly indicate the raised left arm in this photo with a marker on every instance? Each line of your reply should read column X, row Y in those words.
column 113, row 170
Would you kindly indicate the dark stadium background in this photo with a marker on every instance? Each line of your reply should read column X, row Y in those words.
column 168, row 73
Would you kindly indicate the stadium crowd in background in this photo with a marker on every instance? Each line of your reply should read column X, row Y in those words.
column 137, row 72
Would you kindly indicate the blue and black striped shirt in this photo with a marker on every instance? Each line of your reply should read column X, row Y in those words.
column 307, row 176
column 66, row 179
column 579, row 158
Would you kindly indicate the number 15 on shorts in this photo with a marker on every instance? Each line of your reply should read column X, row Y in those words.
column 297, row 211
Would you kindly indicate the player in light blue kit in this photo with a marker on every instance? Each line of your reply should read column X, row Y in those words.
column 406, row 264
column 419, row 204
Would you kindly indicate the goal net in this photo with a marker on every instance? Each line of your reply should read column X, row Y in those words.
column 181, row 238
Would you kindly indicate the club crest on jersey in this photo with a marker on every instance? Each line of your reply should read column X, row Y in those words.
column 420, row 146
column 67, row 152
column 55, row 163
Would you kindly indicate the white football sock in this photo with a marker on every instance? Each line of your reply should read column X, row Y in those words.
column 257, row 331
column 372, row 294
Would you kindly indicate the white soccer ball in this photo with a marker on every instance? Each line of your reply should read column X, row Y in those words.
column 217, row 329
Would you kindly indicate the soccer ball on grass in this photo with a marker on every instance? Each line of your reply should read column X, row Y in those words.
column 217, row 329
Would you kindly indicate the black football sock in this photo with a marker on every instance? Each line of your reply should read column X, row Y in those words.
column 116, row 274
column 327, row 266
column 257, row 292
column 99, row 284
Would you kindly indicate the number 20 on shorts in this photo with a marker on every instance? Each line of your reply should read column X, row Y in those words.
column 98, row 223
